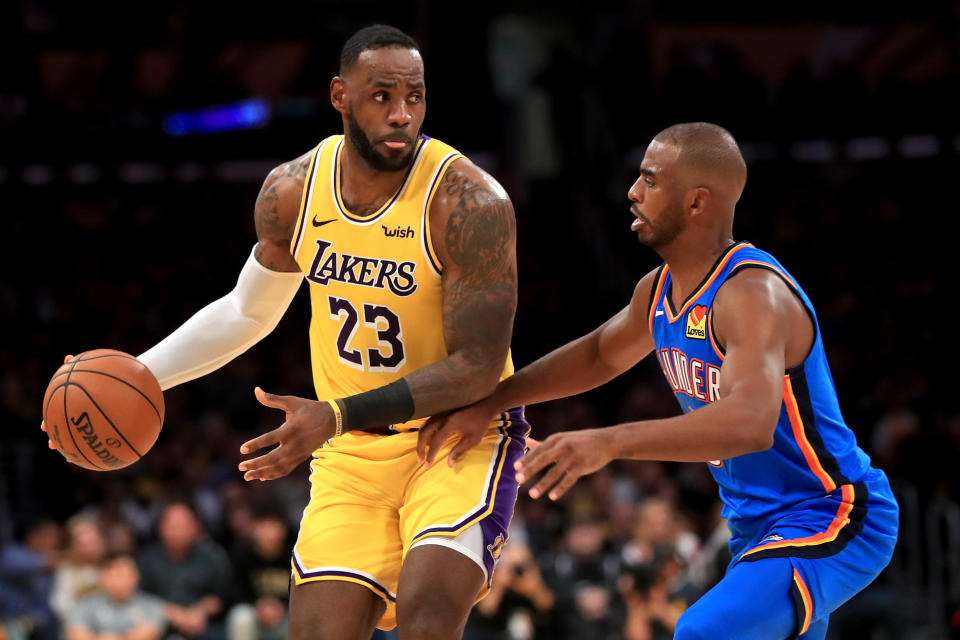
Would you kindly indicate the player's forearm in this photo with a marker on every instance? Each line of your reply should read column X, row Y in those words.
column 456, row 381
column 225, row 328
column 724, row 429
column 571, row 369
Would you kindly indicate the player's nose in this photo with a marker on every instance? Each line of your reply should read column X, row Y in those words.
column 400, row 115
column 636, row 191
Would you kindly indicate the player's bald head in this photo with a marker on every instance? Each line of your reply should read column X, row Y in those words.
column 708, row 155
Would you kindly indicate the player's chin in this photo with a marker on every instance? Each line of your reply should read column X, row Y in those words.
column 395, row 159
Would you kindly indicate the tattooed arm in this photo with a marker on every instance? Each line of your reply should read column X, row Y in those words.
column 275, row 214
column 474, row 232
column 227, row 327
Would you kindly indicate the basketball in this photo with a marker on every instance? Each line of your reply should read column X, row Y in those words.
column 103, row 410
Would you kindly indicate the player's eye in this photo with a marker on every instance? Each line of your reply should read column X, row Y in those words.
column 416, row 97
column 648, row 182
column 380, row 96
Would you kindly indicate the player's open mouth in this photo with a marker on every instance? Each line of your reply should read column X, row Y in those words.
column 639, row 222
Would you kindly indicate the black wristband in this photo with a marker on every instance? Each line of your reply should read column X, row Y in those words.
column 386, row 405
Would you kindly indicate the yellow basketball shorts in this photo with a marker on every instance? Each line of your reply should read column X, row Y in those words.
column 371, row 500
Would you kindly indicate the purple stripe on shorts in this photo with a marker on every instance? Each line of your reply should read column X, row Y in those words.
column 383, row 591
column 514, row 428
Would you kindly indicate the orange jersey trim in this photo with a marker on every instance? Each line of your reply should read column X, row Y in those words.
column 656, row 296
column 704, row 286
column 840, row 520
column 712, row 338
column 796, row 424
column 807, row 602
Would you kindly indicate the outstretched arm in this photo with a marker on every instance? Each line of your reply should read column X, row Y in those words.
column 227, row 327
column 578, row 366
column 764, row 328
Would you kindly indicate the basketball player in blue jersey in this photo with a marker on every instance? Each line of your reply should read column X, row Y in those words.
column 408, row 249
column 812, row 522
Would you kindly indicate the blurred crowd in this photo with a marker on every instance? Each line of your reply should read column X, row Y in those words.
column 559, row 106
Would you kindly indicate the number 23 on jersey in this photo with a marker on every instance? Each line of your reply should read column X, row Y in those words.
column 388, row 356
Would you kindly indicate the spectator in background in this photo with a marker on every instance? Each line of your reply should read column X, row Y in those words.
column 263, row 570
column 79, row 575
column 119, row 611
column 519, row 605
column 193, row 576
column 650, row 591
column 583, row 575
column 26, row 582
column 656, row 523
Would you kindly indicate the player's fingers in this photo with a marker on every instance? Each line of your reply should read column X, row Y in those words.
column 277, row 467
column 553, row 475
column 567, row 481
column 435, row 442
column 51, row 445
column 254, row 468
column 534, row 460
column 265, row 440
column 43, row 426
column 67, row 359
column 466, row 443
column 428, row 439
column 532, row 443
column 272, row 400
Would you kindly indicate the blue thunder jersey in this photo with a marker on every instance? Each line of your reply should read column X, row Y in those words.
column 814, row 472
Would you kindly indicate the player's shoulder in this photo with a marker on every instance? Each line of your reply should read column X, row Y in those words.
column 291, row 173
column 465, row 179
column 756, row 301
column 753, row 288
column 642, row 299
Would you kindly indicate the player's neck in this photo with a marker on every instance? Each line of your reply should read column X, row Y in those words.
column 364, row 187
column 690, row 260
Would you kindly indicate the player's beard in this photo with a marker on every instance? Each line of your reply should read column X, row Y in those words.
column 668, row 226
column 360, row 141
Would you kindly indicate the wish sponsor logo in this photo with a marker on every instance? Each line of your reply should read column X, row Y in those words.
column 697, row 323
column 398, row 232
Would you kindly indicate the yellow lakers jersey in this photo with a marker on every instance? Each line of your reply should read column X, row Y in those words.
column 375, row 288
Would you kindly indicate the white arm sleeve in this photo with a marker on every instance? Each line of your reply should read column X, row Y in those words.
column 225, row 328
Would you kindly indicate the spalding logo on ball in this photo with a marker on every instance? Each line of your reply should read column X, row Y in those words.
column 103, row 410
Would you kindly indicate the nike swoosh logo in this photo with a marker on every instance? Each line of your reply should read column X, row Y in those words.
column 658, row 312
column 320, row 223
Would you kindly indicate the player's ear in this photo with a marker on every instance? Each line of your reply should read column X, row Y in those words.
column 697, row 200
column 338, row 94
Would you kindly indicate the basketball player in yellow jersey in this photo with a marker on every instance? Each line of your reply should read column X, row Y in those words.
column 409, row 252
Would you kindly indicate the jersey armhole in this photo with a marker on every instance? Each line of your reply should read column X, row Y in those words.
column 790, row 285
column 655, row 294
column 305, row 198
column 427, row 239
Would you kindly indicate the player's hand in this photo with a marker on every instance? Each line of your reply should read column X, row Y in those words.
column 307, row 425
column 43, row 427
column 470, row 424
column 572, row 454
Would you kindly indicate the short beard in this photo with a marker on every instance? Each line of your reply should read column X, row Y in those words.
column 669, row 226
column 369, row 154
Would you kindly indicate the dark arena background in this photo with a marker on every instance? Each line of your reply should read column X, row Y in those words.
column 134, row 137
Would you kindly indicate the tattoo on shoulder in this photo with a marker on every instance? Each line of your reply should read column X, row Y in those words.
column 478, row 302
column 274, row 223
column 481, row 229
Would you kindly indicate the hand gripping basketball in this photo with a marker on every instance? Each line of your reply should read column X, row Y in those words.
column 102, row 410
